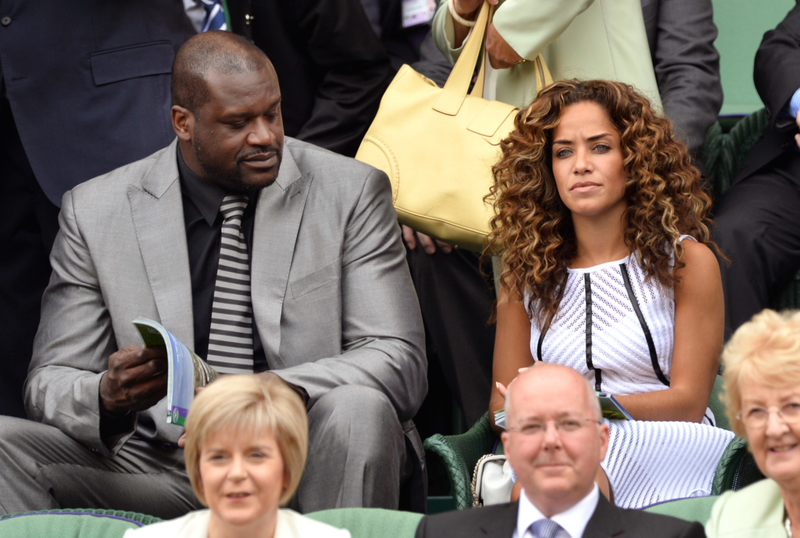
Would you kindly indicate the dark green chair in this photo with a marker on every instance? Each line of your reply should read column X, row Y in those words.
column 371, row 522
column 692, row 509
column 736, row 468
column 724, row 154
column 72, row 523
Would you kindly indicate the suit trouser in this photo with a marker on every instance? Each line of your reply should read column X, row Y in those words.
column 456, row 302
column 757, row 226
column 28, row 226
column 356, row 458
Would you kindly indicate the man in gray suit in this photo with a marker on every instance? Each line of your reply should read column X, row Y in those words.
column 334, row 313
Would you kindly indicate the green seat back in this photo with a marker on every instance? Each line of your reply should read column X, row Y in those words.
column 716, row 405
column 693, row 509
column 736, row 468
column 72, row 523
column 370, row 522
column 460, row 453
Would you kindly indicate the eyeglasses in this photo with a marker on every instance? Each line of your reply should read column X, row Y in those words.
column 757, row 417
column 563, row 426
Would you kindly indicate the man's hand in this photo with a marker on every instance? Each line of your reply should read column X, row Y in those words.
column 501, row 55
column 797, row 136
column 136, row 379
column 428, row 243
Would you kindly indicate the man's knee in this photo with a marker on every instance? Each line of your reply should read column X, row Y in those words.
column 356, row 414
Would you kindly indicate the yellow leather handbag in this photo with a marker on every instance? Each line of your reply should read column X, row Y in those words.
column 438, row 145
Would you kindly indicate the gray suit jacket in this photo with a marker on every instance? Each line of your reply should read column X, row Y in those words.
column 681, row 36
column 500, row 521
column 332, row 296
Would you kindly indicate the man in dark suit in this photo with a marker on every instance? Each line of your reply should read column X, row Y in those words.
column 555, row 443
column 758, row 220
column 332, row 67
column 83, row 89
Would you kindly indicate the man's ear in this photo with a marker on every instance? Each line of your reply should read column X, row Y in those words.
column 182, row 122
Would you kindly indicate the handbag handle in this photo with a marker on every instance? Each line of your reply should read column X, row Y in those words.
column 455, row 89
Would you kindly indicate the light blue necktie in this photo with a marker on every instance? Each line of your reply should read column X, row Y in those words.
column 545, row 528
column 215, row 16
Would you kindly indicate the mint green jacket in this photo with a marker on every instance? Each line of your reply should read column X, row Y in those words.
column 586, row 39
column 752, row 512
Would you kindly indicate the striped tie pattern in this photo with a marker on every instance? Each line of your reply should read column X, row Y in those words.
column 545, row 528
column 230, row 339
column 215, row 16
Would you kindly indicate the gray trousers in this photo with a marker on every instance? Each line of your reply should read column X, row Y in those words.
column 357, row 457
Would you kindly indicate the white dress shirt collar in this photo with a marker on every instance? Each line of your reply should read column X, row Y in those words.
column 573, row 521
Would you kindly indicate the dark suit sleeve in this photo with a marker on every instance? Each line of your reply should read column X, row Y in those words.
column 694, row 531
column 777, row 67
column 687, row 67
column 355, row 71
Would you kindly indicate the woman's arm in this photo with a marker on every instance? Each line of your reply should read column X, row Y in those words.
column 512, row 346
column 699, row 326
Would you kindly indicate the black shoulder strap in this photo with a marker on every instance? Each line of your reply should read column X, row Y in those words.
column 623, row 269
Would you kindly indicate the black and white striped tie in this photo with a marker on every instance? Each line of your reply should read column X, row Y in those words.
column 230, row 339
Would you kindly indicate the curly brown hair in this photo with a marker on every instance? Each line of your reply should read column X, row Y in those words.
column 532, row 228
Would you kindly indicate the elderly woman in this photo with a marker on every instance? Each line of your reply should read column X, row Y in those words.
column 762, row 395
column 608, row 269
column 246, row 445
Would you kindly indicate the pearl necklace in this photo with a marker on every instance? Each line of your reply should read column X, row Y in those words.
column 787, row 523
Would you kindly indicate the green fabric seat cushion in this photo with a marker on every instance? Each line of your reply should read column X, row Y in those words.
column 72, row 523
column 692, row 509
column 369, row 522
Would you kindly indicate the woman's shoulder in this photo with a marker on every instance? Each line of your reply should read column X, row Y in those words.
column 192, row 525
column 294, row 525
column 751, row 511
column 697, row 256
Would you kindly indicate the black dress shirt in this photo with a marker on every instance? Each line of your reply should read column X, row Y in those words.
column 201, row 201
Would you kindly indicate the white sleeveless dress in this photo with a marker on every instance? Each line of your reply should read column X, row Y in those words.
column 616, row 329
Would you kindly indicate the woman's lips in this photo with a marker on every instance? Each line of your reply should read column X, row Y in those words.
column 584, row 186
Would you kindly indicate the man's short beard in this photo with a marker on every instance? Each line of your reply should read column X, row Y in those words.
column 231, row 178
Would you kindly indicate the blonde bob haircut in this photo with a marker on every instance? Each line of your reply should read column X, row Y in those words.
column 764, row 350
column 250, row 405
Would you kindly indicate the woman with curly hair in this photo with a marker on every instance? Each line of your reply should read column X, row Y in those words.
column 608, row 268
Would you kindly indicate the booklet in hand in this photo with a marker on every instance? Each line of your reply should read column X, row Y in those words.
column 611, row 408
column 187, row 371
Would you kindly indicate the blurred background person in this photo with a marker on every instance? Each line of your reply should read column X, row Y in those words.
column 762, row 397
column 246, row 445
column 758, row 219
column 332, row 67
column 83, row 90
column 603, row 228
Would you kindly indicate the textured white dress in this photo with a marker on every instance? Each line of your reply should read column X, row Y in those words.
column 616, row 329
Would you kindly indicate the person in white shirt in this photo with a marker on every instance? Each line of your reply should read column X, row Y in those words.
column 246, row 446
column 555, row 442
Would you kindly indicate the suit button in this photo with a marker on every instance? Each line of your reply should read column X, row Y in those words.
column 5, row 21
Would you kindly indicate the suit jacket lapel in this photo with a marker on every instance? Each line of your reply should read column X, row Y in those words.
column 157, row 209
column 278, row 215
column 605, row 522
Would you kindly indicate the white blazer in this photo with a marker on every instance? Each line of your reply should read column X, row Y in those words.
column 195, row 525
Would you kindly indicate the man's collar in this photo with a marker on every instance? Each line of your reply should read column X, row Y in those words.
column 573, row 520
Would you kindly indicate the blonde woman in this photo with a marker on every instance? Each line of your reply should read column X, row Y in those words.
column 762, row 395
column 246, row 445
